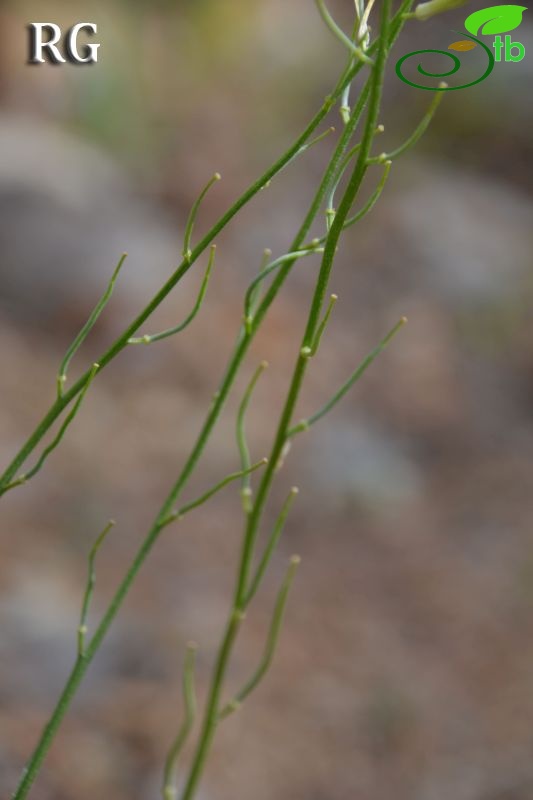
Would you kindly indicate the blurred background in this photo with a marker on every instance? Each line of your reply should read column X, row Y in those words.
column 405, row 668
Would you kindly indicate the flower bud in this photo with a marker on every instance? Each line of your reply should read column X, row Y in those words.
column 426, row 10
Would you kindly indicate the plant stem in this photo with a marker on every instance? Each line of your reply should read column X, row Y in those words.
column 211, row 716
column 189, row 701
column 315, row 309
column 270, row 645
column 250, row 536
column 243, row 341
column 236, row 359
column 122, row 341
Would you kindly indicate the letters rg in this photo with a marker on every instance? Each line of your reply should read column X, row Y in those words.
column 44, row 36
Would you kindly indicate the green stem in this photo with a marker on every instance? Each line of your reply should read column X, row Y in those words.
column 189, row 702
column 26, row 476
column 241, row 591
column 87, row 328
column 242, row 444
column 47, row 737
column 189, row 227
column 236, row 359
column 339, row 33
column 156, row 337
column 251, row 292
column 316, row 306
column 270, row 547
column 243, row 342
column 305, row 424
column 122, row 341
column 323, row 325
column 271, row 642
column 89, row 589
column 417, row 133
column 234, row 476
column 211, row 717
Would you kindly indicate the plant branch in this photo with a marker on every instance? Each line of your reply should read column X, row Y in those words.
column 189, row 702
column 316, row 305
column 242, row 444
column 250, row 535
column 89, row 589
column 340, row 35
column 243, row 341
column 25, row 477
column 271, row 642
column 234, row 476
column 156, row 337
column 305, row 424
column 187, row 252
column 122, row 341
column 417, row 133
column 87, row 328
column 270, row 547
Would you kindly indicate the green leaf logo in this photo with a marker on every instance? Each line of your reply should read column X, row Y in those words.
column 496, row 19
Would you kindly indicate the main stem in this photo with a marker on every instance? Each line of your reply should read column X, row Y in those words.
column 82, row 663
column 122, row 341
column 243, row 343
column 212, row 708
